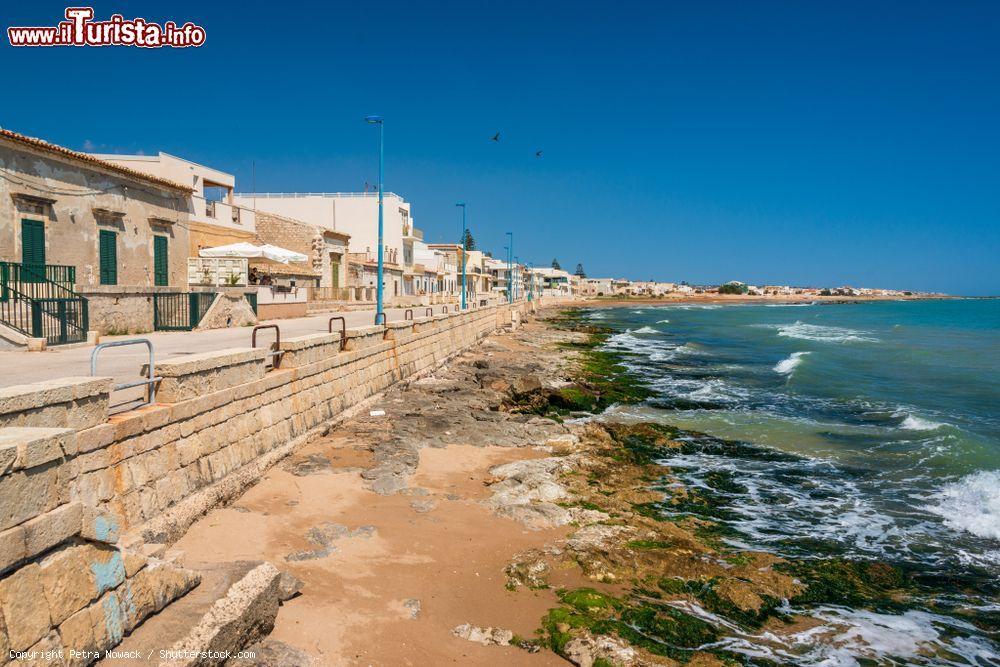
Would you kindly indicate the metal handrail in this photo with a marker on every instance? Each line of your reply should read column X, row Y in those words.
column 385, row 324
column 408, row 314
column 151, row 377
column 444, row 309
column 428, row 312
column 275, row 352
column 343, row 330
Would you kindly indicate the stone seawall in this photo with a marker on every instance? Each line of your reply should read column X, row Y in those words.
column 87, row 500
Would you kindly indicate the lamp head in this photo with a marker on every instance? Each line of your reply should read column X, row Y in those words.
column 376, row 120
column 461, row 203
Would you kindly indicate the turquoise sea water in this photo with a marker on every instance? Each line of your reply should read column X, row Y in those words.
column 892, row 410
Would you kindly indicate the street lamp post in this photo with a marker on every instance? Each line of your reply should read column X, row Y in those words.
column 378, row 120
column 462, row 204
column 510, row 269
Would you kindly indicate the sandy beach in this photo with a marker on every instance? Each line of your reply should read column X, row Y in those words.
column 400, row 570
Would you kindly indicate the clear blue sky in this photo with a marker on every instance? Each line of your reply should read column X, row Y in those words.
column 790, row 142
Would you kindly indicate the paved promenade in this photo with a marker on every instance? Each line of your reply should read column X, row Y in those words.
column 19, row 367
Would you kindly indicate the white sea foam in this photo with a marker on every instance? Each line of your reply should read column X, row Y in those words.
column 972, row 504
column 663, row 321
column 824, row 334
column 914, row 423
column 789, row 305
column 646, row 330
column 787, row 366
column 844, row 637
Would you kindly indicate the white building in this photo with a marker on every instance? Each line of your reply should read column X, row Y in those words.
column 501, row 282
column 216, row 217
column 555, row 282
column 596, row 287
column 354, row 213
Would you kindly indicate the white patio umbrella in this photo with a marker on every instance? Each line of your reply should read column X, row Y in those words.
column 282, row 255
column 250, row 251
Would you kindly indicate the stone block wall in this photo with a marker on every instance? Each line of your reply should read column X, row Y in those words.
column 83, row 496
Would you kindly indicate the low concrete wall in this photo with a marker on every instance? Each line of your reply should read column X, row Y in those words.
column 281, row 311
column 84, row 496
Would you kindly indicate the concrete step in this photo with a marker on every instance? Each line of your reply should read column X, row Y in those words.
column 234, row 606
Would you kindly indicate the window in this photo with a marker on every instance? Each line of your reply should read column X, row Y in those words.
column 108, row 256
column 161, row 273
column 32, row 251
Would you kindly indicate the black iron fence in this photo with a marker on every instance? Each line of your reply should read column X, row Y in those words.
column 62, row 276
column 180, row 312
column 37, row 301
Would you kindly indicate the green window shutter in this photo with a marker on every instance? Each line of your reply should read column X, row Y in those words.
column 108, row 251
column 161, row 273
column 33, row 250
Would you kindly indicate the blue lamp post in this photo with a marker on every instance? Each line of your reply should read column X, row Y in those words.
column 462, row 204
column 510, row 269
column 378, row 120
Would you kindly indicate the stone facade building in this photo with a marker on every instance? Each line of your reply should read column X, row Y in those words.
column 326, row 249
column 104, row 231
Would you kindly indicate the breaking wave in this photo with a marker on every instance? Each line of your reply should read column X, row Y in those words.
column 972, row 504
column 914, row 423
column 787, row 366
column 824, row 334
column 847, row 638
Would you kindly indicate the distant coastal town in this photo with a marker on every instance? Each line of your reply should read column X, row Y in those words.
column 139, row 243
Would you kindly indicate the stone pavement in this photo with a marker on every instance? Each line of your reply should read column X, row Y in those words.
column 19, row 367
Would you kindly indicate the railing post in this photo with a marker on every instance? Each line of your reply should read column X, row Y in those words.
column 193, row 310
column 61, row 311
column 36, row 319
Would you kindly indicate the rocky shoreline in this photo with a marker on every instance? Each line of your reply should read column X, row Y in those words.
column 666, row 586
column 481, row 514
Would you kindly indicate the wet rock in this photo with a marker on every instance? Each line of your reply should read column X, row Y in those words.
column 586, row 649
column 388, row 485
column 413, row 606
column 423, row 506
column 486, row 636
column 537, row 516
column 324, row 536
column 289, row 586
column 272, row 653
column 309, row 465
column 528, row 568
column 310, row 554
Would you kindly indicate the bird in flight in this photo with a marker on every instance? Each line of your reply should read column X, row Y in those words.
column 496, row 137
column 538, row 153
